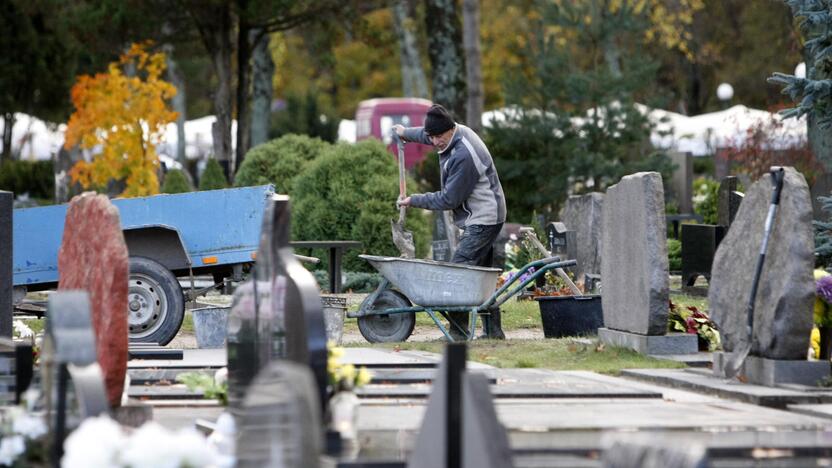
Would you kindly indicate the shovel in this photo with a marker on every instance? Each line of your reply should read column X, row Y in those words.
column 737, row 358
column 402, row 238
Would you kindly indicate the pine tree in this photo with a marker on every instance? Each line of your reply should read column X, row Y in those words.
column 814, row 92
column 176, row 182
column 213, row 177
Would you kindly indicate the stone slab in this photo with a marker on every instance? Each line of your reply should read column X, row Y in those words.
column 771, row 372
column 823, row 410
column 162, row 392
column 634, row 265
column 702, row 380
column 700, row 359
column 583, row 215
column 672, row 343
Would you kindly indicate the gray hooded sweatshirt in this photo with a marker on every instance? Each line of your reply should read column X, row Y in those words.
column 470, row 185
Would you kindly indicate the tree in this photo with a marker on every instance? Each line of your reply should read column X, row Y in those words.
column 445, row 53
column 176, row 182
column 815, row 91
column 473, row 65
column 414, row 83
column 213, row 177
column 126, row 117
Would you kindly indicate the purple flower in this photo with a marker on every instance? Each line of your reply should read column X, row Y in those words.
column 823, row 288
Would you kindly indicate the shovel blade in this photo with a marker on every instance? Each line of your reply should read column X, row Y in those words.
column 735, row 360
column 403, row 239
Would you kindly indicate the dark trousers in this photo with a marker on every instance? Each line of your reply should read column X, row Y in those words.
column 476, row 247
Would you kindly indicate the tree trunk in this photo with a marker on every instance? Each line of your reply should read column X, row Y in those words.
column 243, row 84
column 445, row 53
column 414, row 83
column 179, row 103
column 473, row 63
column 262, row 92
column 8, row 125
column 214, row 23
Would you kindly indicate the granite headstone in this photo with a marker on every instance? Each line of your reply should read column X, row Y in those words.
column 6, row 270
column 583, row 214
column 93, row 257
column 634, row 265
column 783, row 306
column 729, row 200
column 682, row 181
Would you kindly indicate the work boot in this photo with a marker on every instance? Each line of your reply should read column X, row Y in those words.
column 461, row 319
column 492, row 326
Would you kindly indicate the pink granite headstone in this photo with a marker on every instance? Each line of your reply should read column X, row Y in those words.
column 94, row 257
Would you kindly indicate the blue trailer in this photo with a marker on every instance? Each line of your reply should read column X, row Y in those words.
column 213, row 232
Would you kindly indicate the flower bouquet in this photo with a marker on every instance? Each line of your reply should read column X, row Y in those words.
column 694, row 321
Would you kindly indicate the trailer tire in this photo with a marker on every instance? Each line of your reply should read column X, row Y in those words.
column 155, row 304
column 389, row 328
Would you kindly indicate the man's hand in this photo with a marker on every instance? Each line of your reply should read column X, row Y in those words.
column 398, row 129
column 403, row 202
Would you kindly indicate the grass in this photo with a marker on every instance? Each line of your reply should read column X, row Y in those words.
column 556, row 354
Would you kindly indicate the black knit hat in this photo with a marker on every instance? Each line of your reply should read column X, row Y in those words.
column 438, row 120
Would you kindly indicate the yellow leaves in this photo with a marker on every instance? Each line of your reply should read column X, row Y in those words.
column 121, row 119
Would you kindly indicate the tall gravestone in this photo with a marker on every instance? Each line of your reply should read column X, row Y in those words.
column 6, row 281
column 728, row 201
column 785, row 296
column 93, row 257
column 583, row 214
column 280, row 419
column 682, row 181
column 634, row 269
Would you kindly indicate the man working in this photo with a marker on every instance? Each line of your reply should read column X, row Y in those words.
column 471, row 188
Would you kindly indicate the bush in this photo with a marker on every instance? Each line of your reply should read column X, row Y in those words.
column 279, row 161
column 360, row 282
column 213, row 177
column 349, row 193
column 37, row 178
column 705, row 199
column 176, row 182
column 674, row 254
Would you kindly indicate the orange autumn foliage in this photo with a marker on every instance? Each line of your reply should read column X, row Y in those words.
column 121, row 119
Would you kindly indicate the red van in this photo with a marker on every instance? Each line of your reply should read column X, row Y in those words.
column 376, row 117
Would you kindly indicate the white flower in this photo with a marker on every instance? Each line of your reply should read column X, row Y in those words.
column 151, row 446
column 10, row 448
column 95, row 444
column 28, row 425
column 22, row 330
column 194, row 449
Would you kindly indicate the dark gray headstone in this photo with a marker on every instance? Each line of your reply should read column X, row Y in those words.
column 460, row 426
column 69, row 328
column 6, row 270
column 699, row 244
column 634, row 266
column 279, row 421
column 728, row 203
column 444, row 236
column 682, row 181
column 783, row 307
column 583, row 215
column 560, row 241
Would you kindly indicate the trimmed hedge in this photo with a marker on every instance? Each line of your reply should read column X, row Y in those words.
column 349, row 193
column 279, row 161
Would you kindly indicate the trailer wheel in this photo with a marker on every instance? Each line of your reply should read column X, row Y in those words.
column 155, row 304
column 387, row 328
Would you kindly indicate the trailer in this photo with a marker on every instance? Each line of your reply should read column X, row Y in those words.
column 214, row 232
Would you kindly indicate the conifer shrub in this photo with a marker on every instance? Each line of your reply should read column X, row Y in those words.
column 213, row 177
column 279, row 161
column 176, row 182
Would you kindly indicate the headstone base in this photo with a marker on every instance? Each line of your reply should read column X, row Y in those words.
column 672, row 343
column 133, row 414
column 772, row 372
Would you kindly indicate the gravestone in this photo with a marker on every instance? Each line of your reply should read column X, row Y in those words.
column 786, row 292
column 560, row 241
column 279, row 421
column 682, row 181
column 441, row 246
column 699, row 244
column 6, row 280
column 460, row 426
column 640, row 450
column 728, row 201
column 583, row 214
column 93, row 257
column 16, row 363
column 634, row 269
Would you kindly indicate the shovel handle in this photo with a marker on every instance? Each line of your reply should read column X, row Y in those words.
column 402, row 182
column 777, row 176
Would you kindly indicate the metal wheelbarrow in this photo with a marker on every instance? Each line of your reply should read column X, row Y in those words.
column 408, row 286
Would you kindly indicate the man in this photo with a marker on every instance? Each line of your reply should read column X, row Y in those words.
column 471, row 188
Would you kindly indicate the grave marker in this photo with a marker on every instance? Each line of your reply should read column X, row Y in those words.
column 6, row 280
column 583, row 214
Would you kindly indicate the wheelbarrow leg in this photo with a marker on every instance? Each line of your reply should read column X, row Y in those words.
column 438, row 323
column 472, row 335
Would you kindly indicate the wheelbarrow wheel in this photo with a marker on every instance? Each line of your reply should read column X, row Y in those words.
column 387, row 328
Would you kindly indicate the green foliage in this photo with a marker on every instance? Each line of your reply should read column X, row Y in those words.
column 573, row 127
column 303, row 115
column 349, row 193
column 213, row 177
column 704, row 166
column 691, row 320
column 357, row 281
column 823, row 234
column 674, row 254
column 201, row 382
column 706, row 199
column 279, row 161
column 176, row 182
column 427, row 173
column 37, row 178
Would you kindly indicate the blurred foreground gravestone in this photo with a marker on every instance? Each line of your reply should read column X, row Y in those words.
column 93, row 257
column 583, row 214
column 6, row 270
column 16, row 368
column 639, row 450
column 73, row 383
column 460, row 426
column 280, row 419
column 784, row 303
column 278, row 314
column 634, row 269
